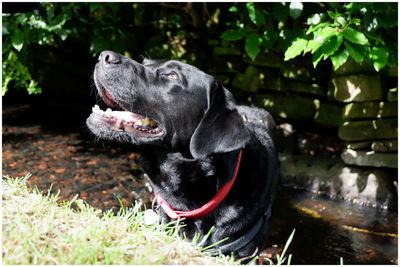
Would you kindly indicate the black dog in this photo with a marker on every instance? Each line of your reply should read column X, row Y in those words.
column 210, row 161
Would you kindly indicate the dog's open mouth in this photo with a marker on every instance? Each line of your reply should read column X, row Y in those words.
column 123, row 120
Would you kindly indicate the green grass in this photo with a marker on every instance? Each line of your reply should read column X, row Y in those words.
column 37, row 230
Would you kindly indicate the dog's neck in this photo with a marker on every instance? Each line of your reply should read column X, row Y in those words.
column 186, row 180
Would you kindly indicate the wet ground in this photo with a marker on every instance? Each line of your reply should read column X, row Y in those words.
column 60, row 154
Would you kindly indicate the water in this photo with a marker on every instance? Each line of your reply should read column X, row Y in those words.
column 327, row 230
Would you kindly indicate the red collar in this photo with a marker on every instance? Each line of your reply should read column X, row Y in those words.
column 206, row 208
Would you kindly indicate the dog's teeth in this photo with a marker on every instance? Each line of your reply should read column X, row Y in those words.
column 108, row 112
column 96, row 107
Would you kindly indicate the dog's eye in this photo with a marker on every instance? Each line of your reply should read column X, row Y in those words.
column 172, row 76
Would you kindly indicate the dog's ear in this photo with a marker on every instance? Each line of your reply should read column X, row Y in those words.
column 221, row 128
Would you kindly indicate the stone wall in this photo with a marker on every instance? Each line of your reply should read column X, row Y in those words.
column 354, row 102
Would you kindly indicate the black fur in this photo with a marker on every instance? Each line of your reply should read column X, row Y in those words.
column 197, row 153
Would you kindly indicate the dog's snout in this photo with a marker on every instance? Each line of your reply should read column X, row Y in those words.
column 109, row 57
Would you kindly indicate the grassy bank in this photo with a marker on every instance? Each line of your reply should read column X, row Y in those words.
column 37, row 230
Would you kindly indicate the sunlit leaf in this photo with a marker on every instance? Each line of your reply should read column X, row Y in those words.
column 296, row 48
column 354, row 51
column 256, row 16
column 331, row 45
column 379, row 56
column 17, row 39
column 339, row 57
column 355, row 36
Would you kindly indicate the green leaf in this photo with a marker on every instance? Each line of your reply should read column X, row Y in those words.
column 295, row 9
column 355, row 51
column 234, row 35
column 339, row 58
column 317, row 56
column 233, row 9
column 314, row 28
column 17, row 39
column 331, row 45
column 325, row 34
column 252, row 45
column 331, row 14
column 355, row 36
column 312, row 46
column 379, row 56
column 256, row 16
column 298, row 46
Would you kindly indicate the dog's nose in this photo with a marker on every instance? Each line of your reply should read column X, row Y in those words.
column 109, row 57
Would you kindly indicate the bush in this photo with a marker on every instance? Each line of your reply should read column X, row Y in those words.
column 363, row 31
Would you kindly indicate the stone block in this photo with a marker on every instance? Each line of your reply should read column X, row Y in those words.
column 294, row 107
column 301, row 69
column 329, row 176
column 271, row 59
column 392, row 95
column 371, row 110
column 358, row 145
column 220, row 51
column 329, row 115
column 308, row 88
column 356, row 88
column 250, row 81
column 369, row 158
column 385, row 145
column 352, row 67
column 368, row 130
column 390, row 71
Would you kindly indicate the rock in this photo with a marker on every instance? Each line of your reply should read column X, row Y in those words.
column 356, row 88
column 352, row 67
column 301, row 69
column 329, row 115
column 371, row 110
column 329, row 176
column 369, row 158
column 368, row 130
column 294, row 107
column 392, row 95
column 390, row 71
column 385, row 145
column 271, row 59
column 219, row 51
column 250, row 81
column 358, row 145
column 308, row 88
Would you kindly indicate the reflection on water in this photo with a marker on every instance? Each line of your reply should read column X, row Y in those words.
column 327, row 230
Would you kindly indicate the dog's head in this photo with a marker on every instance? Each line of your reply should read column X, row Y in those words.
column 165, row 102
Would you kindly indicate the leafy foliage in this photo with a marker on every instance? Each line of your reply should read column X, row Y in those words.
column 362, row 31
column 359, row 30
column 104, row 26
